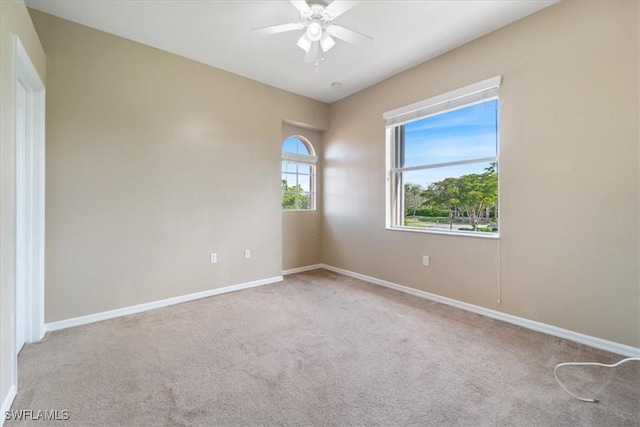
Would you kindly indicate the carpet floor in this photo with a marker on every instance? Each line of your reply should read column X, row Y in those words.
column 318, row 349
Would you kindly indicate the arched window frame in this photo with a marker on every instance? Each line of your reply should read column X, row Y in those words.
column 308, row 160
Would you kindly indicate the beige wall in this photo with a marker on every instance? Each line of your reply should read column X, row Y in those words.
column 14, row 19
column 301, row 230
column 569, row 184
column 153, row 162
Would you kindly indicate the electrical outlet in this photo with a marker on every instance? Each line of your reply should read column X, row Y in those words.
column 213, row 258
column 425, row 261
column 247, row 253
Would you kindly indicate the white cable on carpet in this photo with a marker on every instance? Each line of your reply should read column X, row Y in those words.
column 588, row 364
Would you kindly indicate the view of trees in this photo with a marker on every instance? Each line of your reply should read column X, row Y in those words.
column 294, row 197
column 471, row 198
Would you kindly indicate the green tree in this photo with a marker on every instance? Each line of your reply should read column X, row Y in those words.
column 477, row 191
column 473, row 195
column 492, row 180
column 293, row 197
column 413, row 198
column 443, row 194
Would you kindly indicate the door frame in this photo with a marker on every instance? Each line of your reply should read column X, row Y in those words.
column 21, row 220
column 32, row 163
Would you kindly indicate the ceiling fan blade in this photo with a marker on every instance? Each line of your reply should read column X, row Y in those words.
column 312, row 54
column 350, row 36
column 275, row 29
column 302, row 6
column 338, row 7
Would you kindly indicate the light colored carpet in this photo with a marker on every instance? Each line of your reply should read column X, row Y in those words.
column 318, row 349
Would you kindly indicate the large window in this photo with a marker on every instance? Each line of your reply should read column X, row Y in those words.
column 298, row 174
column 442, row 158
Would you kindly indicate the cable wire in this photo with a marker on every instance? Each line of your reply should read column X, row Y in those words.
column 584, row 399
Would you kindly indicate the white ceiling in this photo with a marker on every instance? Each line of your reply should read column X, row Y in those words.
column 218, row 33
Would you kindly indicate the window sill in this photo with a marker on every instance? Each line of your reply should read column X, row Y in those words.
column 483, row 235
column 298, row 210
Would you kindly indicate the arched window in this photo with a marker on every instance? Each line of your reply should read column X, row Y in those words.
column 298, row 174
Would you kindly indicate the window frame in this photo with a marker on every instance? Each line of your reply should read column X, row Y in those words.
column 467, row 96
column 288, row 157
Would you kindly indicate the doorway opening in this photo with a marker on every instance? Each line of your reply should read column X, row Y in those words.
column 29, row 201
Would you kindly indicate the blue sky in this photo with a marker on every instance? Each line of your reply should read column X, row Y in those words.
column 296, row 173
column 294, row 145
column 462, row 134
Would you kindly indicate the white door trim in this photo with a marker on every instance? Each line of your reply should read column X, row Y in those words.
column 32, row 192
column 21, row 220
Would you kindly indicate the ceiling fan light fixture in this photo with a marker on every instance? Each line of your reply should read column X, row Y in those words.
column 304, row 43
column 316, row 19
column 327, row 42
column 314, row 30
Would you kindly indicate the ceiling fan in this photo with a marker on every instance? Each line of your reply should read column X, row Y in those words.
column 317, row 20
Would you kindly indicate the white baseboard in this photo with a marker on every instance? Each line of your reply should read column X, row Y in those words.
column 600, row 343
column 91, row 318
column 7, row 402
column 302, row 269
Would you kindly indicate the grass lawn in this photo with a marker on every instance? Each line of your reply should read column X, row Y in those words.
column 436, row 223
